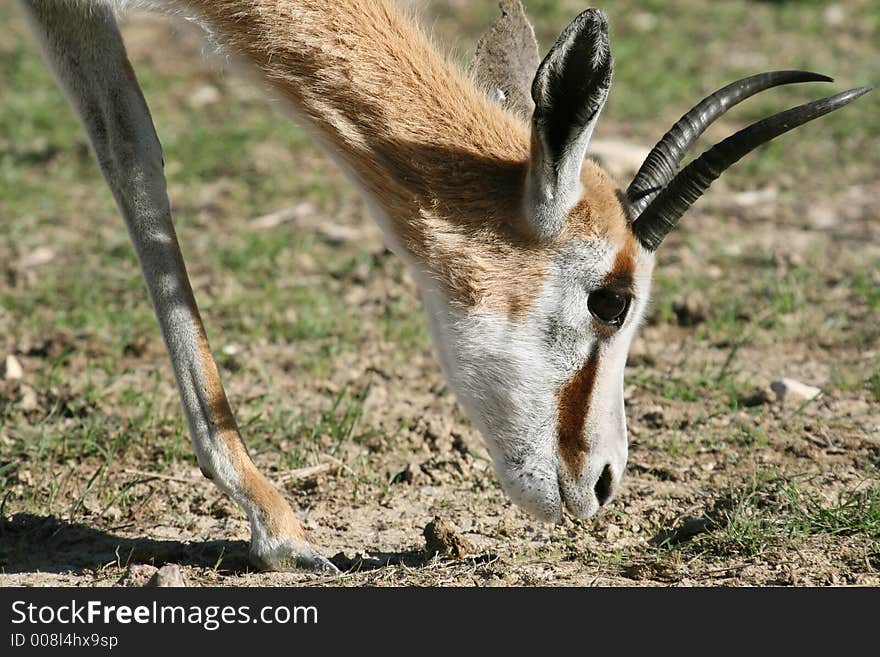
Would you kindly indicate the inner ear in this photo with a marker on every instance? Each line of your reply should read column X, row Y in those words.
column 506, row 59
column 572, row 83
column 569, row 91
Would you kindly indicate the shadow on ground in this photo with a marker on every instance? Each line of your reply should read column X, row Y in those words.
column 30, row 543
column 34, row 543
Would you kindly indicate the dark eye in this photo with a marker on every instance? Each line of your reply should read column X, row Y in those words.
column 608, row 306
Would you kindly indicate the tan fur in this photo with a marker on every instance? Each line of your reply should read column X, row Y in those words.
column 599, row 212
column 277, row 515
column 622, row 274
column 445, row 164
column 279, row 519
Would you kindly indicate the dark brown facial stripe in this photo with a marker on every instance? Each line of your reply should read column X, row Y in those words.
column 574, row 403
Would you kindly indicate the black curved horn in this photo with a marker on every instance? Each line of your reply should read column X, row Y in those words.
column 662, row 162
column 663, row 213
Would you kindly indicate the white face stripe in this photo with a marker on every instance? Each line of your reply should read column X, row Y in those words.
column 508, row 374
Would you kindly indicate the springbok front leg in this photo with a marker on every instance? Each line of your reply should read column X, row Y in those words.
column 83, row 46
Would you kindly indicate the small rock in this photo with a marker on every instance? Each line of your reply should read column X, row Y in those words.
column 790, row 390
column 822, row 217
column 643, row 21
column 834, row 15
column 732, row 248
column 39, row 256
column 168, row 576
column 139, row 574
column 29, row 400
column 442, row 539
column 794, row 259
column 11, row 369
column 203, row 96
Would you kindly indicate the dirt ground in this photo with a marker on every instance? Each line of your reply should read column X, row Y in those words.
column 726, row 485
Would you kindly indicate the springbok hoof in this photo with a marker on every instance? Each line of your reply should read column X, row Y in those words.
column 292, row 556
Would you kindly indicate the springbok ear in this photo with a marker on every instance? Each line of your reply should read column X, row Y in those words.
column 569, row 91
column 506, row 59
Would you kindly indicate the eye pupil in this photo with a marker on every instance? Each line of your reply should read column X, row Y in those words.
column 608, row 306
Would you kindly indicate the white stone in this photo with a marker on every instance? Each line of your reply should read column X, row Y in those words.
column 203, row 96
column 643, row 21
column 834, row 15
column 29, row 401
column 822, row 217
column 11, row 369
column 792, row 390
column 39, row 256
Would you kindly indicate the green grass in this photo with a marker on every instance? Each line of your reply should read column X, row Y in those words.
column 104, row 411
column 772, row 509
column 853, row 512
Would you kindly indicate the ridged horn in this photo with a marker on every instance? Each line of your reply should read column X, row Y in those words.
column 662, row 162
column 664, row 211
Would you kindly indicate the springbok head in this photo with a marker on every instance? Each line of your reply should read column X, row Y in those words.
column 544, row 382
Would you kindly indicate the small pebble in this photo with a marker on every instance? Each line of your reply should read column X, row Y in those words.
column 138, row 574
column 168, row 576
column 790, row 390
column 10, row 369
column 203, row 96
column 29, row 400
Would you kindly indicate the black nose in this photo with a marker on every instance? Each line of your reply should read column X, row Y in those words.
column 603, row 486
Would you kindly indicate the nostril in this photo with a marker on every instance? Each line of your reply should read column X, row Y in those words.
column 603, row 486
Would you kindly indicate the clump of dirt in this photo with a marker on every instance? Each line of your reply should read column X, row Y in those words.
column 442, row 539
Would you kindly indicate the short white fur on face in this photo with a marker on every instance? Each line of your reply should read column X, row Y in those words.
column 507, row 374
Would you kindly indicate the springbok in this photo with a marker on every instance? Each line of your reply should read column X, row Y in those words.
column 534, row 266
